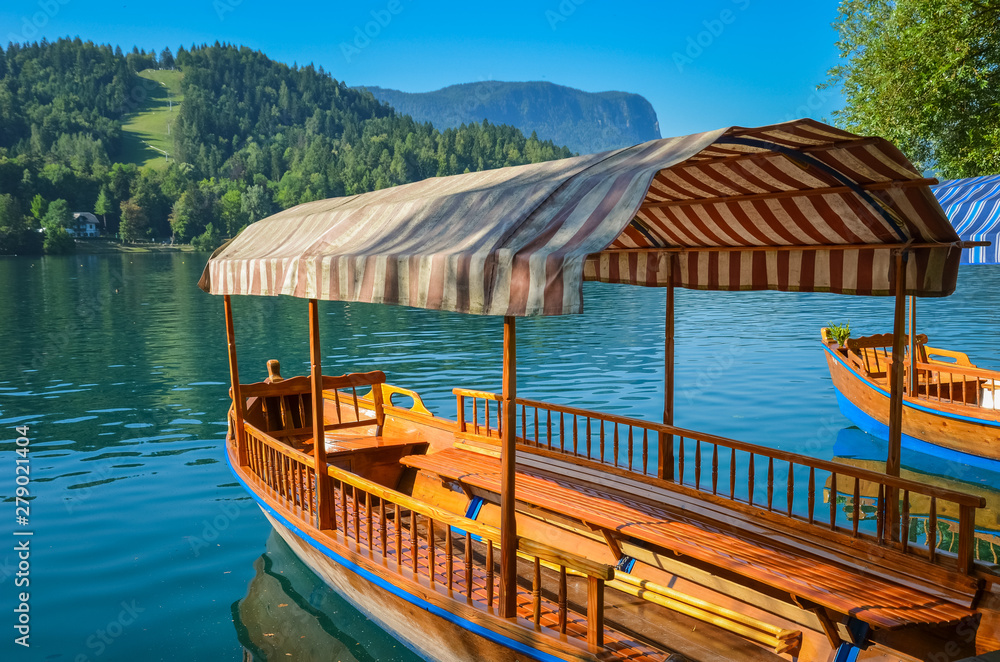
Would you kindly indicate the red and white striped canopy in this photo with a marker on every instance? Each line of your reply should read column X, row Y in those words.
column 799, row 206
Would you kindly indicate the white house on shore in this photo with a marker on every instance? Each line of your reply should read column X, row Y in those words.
column 84, row 225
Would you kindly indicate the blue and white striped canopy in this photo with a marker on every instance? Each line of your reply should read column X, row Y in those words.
column 973, row 207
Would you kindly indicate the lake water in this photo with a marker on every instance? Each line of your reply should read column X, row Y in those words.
column 145, row 548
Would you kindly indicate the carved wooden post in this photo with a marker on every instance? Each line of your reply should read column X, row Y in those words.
column 324, row 493
column 896, row 394
column 665, row 456
column 242, row 457
column 508, row 523
column 912, row 386
column 595, row 613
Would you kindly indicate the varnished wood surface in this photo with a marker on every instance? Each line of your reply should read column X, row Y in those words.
column 872, row 600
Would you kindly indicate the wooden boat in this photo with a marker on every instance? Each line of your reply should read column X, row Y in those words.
column 949, row 404
column 526, row 529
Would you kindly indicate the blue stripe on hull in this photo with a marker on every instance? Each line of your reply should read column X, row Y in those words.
column 881, row 430
column 486, row 633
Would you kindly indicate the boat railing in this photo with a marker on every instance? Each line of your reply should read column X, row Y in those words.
column 431, row 546
column 746, row 477
column 954, row 384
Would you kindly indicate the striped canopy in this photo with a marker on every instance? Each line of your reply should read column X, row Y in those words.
column 973, row 207
column 799, row 206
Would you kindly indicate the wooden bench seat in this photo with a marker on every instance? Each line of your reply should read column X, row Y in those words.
column 876, row 601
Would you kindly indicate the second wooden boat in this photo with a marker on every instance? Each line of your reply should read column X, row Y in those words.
column 951, row 407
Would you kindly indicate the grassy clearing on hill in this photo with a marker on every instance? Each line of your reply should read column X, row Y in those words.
column 146, row 132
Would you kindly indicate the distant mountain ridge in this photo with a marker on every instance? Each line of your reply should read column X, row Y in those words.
column 586, row 122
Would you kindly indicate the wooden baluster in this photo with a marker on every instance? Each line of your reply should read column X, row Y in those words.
column 357, row 515
column 448, row 555
column 751, row 469
column 397, row 523
column 524, row 423
column 966, row 539
column 732, row 474
column 461, row 413
column 595, row 613
column 537, row 442
column 715, row 468
column 770, row 482
column 602, row 440
column 904, row 533
column 536, row 594
column 880, row 514
column 630, row 448
column 562, row 599
column 562, row 432
column 310, row 504
column 833, row 501
column 548, row 428
column 431, row 551
column 697, row 464
column 475, row 415
column 645, row 451
column 382, row 526
column 576, row 447
column 283, row 477
column 812, row 492
column 856, row 511
column 500, row 419
column 932, row 531
column 368, row 519
column 791, row 487
column 468, row 567
column 588, row 437
column 614, row 446
column 680, row 461
column 414, row 549
column 486, row 406
column 489, row 573
column 343, row 507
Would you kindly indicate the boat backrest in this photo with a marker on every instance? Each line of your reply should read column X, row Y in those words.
column 870, row 352
column 286, row 404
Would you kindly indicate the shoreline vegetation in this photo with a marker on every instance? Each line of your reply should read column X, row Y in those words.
column 104, row 246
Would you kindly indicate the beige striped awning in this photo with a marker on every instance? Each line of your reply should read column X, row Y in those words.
column 799, row 206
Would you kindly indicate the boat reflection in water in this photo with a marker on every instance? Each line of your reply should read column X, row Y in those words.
column 290, row 614
column 859, row 449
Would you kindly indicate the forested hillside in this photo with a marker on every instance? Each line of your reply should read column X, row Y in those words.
column 586, row 122
column 252, row 136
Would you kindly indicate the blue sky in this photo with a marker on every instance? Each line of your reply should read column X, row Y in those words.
column 702, row 65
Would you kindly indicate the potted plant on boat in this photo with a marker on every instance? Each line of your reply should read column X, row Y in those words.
column 837, row 332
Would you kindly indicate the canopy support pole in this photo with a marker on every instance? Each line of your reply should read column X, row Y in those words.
column 665, row 456
column 242, row 457
column 896, row 394
column 324, row 494
column 912, row 385
column 508, row 434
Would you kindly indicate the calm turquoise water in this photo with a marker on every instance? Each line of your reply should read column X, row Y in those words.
column 144, row 546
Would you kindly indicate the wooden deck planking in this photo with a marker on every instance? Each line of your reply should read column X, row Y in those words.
column 806, row 577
